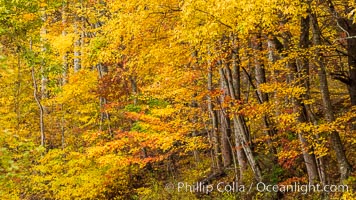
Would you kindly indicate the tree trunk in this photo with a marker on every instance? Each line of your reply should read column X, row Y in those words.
column 242, row 135
column 195, row 105
column 44, row 78
column 344, row 166
column 349, row 28
column 351, row 60
column 236, row 95
column 320, row 162
column 214, row 118
column 64, row 33
column 259, row 69
column 302, row 77
column 261, row 96
column 38, row 101
column 64, row 68
column 240, row 129
column 104, row 115
column 79, row 32
column 225, row 123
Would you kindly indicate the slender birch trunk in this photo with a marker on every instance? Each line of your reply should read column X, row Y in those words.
column 64, row 33
column 38, row 101
column 78, row 43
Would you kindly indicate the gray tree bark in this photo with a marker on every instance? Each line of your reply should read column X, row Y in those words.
column 241, row 131
column 38, row 101
column 225, row 123
column 64, row 33
column 344, row 166
column 78, row 43
column 214, row 119
column 309, row 157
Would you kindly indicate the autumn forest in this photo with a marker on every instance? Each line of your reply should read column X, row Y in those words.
column 177, row 99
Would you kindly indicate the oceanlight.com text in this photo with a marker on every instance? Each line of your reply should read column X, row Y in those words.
column 199, row 187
